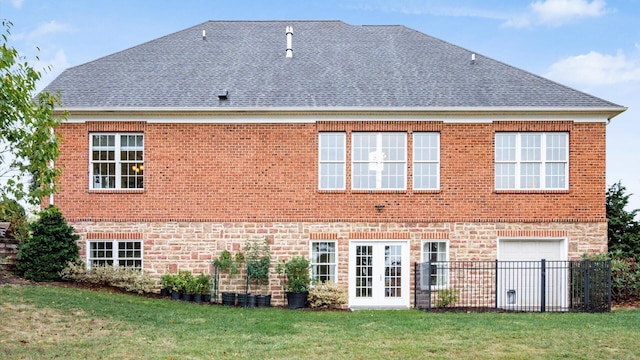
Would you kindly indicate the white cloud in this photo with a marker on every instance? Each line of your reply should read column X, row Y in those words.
column 558, row 12
column 420, row 7
column 51, row 27
column 596, row 69
column 17, row 3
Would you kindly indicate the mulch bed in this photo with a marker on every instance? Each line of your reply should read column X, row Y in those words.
column 10, row 278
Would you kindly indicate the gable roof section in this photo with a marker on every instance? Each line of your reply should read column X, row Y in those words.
column 334, row 65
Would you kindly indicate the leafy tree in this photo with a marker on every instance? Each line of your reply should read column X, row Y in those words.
column 28, row 144
column 52, row 245
column 624, row 230
column 11, row 211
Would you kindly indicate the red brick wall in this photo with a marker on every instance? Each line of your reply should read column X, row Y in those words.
column 268, row 172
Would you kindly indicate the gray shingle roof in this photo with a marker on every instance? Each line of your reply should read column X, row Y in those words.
column 334, row 65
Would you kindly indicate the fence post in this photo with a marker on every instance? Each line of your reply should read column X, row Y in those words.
column 543, row 285
column 496, row 284
column 428, row 275
column 609, row 284
column 571, row 286
column 587, row 274
column 415, row 285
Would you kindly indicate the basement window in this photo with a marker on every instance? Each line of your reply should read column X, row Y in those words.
column 114, row 253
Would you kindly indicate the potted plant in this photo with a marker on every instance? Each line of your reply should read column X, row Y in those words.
column 166, row 284
column 187, row 283
column 178, row 287
column 201, row 288
column 227, row 263
column 297, row 281
column 258, row 261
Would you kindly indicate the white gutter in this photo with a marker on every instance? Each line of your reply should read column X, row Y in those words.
column 609, row 112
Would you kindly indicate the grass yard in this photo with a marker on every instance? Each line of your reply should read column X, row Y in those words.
column 45, row 322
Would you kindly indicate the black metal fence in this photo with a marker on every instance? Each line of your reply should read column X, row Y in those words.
column 531, row 286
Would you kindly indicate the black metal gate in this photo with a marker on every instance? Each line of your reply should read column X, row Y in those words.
column 581, row 285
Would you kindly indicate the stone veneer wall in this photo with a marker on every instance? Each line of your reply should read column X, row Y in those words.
column 170, row 246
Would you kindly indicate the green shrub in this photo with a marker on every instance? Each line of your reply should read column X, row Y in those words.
column 184, row 282
column 11, row 211
column 167, row 280
column 129, row 279
column 327, row 295
column 258, row 260
column 625, row 275
column 296, row 272
column 446, row 297
column 625, row 279
column 202, row 284
column 51, row 246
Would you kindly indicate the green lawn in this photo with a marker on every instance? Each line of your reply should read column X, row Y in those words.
column 44, row 322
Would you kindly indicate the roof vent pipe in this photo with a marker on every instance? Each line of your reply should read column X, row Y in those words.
column 473, row 58
column 289, row 32
column 204, row 34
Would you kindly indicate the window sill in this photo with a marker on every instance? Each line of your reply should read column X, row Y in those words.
column 379, row 191
column 532, row 191
column 116, row 191
column 427, row 191
column 329, row 191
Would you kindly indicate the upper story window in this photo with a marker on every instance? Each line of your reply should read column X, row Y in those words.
column 117, row 161
column 379, row 161
column 332, row 165
column 426, row 160
column 532, row 161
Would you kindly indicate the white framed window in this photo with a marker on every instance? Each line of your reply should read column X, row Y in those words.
column 426, row 160
column 114, row 253
column 324, row 261
column 435, row 266
column 379, row 161
column 331, row 160
column 532, row 161
column 117, row 161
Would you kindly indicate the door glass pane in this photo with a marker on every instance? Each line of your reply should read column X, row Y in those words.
column 393, row 271
column 364, row 271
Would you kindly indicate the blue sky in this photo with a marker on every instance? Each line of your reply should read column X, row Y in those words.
column 590, row 45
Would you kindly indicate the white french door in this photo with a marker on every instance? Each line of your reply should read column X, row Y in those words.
column 379, row 274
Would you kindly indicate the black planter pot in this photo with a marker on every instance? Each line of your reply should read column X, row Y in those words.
column 187, row 297
column 251, row 300
column 243, row 299
column 175, row 295
column 206, row 298
column 263, row 300
column 297, row 300
column 228, row 298
column 165, row 292
column 197, row 298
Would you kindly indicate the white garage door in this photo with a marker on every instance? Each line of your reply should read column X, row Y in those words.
column 531, row 250
column 520, row 273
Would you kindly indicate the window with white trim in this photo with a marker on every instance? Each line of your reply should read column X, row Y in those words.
column 426, row 160
column 435, row 257
column 323, row 261
column 117, row 161
column 114, row 253
column 379, row 161
column 331, row 161
column 532, row 161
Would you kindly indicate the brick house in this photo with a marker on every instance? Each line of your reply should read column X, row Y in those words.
column 363, row 148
